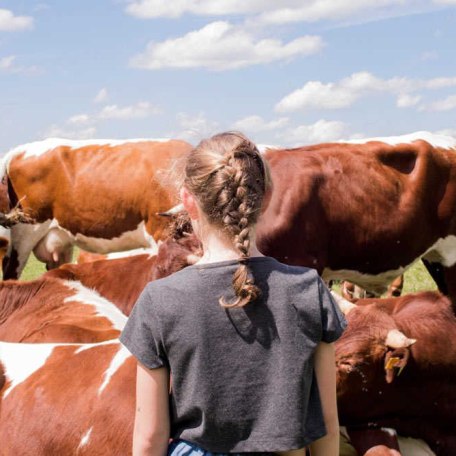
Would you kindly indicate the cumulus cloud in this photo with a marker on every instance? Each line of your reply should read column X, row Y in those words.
column 137, row 111
column 285, row 11
column 54, row 131
column 222, row 46
column 447, row 104
column 8, row 65
column 83, row 126
column 101, row 96
column 406, row 101
column 193, row 128
column 79, row 119
column 342, row 94
column 320, row 131
column 147, row 9
column 11, row 23
column 255, row 124
column 447, row 132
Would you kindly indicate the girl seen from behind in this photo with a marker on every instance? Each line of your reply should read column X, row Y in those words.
column 247, row 339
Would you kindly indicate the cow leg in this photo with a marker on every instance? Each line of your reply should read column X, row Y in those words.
column 437, row 272
column 24, row 237
column 450, row 282
column 396, row 286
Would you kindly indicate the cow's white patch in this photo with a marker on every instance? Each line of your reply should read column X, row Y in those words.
column 103, row 307
column 85, row 439
column 262, row 148
column 442, row 141
column 37, row 148
column 25, row 238
column 129, row 253
column 376, row 283
column 116, row 363
column 20, row 362
column 126, row 241
column 443, row 251
column 83, row 347
column 152, row 243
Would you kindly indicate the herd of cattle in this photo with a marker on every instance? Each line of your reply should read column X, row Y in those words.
column 361, row 211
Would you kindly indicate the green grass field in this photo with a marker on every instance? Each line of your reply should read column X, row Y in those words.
column 416, row 278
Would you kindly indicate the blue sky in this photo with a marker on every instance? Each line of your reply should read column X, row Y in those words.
column 286, row 73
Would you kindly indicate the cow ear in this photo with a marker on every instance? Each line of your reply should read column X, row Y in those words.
column 395, row 361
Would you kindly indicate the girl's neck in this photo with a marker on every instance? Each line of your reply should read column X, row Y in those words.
column 218, row 248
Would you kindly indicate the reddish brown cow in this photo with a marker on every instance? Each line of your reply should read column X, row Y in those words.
column 363, row 211
column 122, row 280
column 54, row 310
column 88, row 257
column 102, row 195
column 370, row 355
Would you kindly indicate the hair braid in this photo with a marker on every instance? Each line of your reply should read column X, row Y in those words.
column 231, row 192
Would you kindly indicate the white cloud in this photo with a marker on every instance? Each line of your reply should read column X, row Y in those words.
column 446, row 104
column 147, row 9
column 286, row 11
column 320, row 131
column 222, row 46
column 342, row 94
column 255, row 124
column 83, row 126
column 11, row 23
column 8, row 65
column 407, row 101
column 193, row 128
column 79, row 119
column 101, row 96
column 317, row 10
column 140, row 110
column 54, row 131
column 447, row 132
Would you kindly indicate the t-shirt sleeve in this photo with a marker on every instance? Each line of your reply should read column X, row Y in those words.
column 332, row 319
column 142, row 336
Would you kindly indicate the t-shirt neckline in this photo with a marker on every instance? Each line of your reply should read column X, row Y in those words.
column 216, row 264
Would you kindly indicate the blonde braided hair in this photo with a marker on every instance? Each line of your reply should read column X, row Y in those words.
column 229, row 179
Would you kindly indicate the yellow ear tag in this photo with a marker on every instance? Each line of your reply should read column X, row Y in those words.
column 392, row 362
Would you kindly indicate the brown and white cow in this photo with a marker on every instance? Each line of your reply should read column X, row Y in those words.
column 102, row 195
column 397, row 369
column 56, row 310
column 121, row 280
column 66, row 399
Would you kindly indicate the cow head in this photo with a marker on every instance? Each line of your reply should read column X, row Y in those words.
column 175, row 254
column 372, row 350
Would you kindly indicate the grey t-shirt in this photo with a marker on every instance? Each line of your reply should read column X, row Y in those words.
column 242, row 379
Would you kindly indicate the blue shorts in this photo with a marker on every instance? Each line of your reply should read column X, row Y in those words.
column 184, row 448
